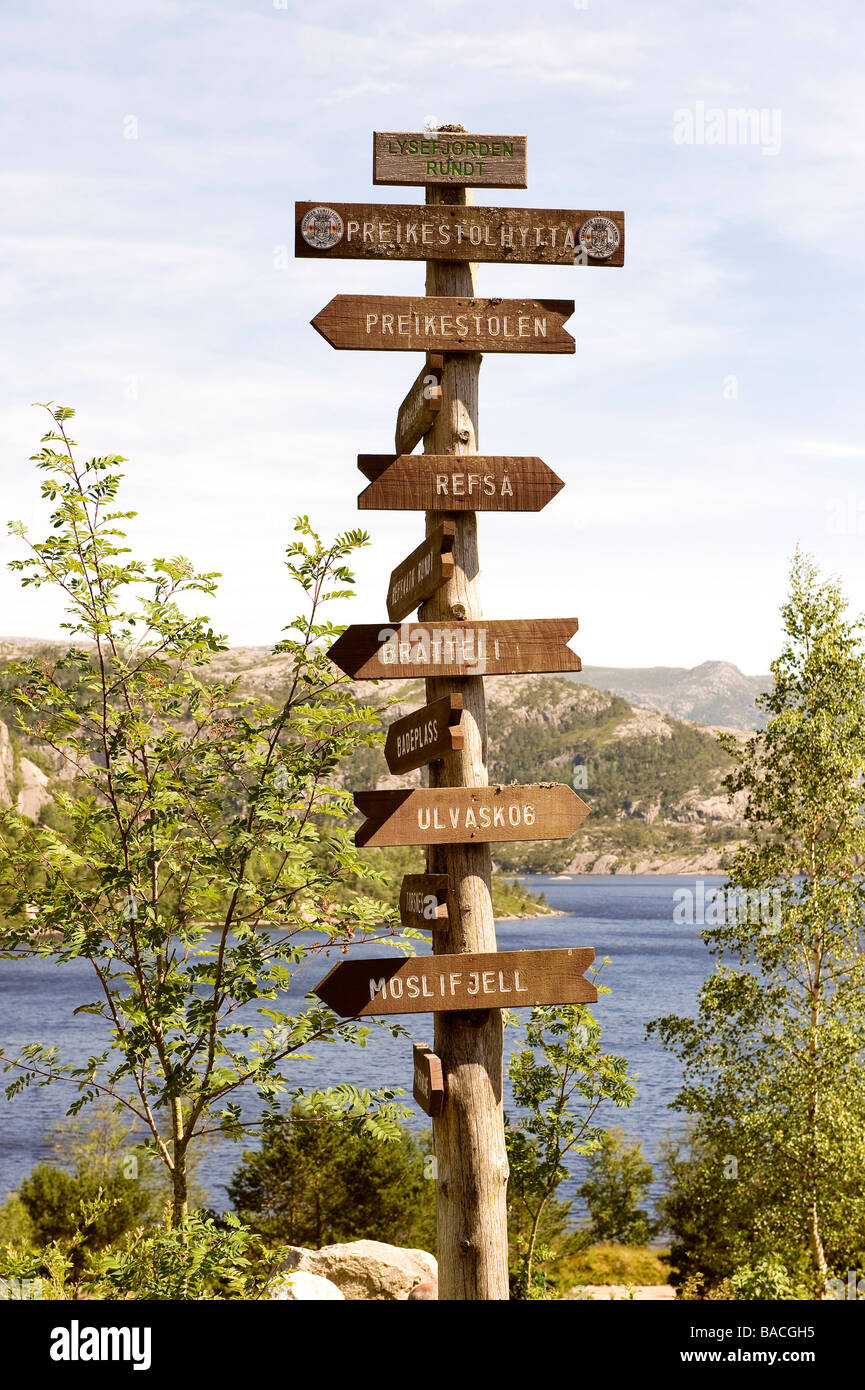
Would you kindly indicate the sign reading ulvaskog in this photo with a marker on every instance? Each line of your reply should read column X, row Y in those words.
column 455, row 157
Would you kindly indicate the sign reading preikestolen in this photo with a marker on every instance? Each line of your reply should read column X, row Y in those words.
column 444, row 156
column 372, row 651
column 469, row 815
column 456, row 483
column 428, row 1087
column 429, row 566
column 421, row 406
column 405, row 323
column 425, row 735
column 443, row 232
column 423, row 901
column 427, row 984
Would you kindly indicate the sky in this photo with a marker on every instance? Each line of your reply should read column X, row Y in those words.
column 709, row 421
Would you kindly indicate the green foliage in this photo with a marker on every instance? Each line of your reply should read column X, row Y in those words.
column 619, row 1177
column 204, row 1258
column 774, row 1062
column 559, row 1080
column 203, row 836
column 316, row 1182
column 53, row 1200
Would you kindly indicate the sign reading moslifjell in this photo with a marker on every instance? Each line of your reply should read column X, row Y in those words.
column 449, row 156
column 441, row 323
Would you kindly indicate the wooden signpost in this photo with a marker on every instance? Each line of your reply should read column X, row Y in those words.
column 369, row 651
column 440, row 984
column 445, row 323
column 466, row 982
column 425, row 735
column 429, row 566
column 428, row 1087
column 406, row 232
column 431, row 482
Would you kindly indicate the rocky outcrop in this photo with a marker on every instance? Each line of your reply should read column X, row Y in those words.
column 7, row 766
column 303, row 1287
column 33, row 793
column 367, row 1269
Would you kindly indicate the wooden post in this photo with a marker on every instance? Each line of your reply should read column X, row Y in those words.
column 472, row 1167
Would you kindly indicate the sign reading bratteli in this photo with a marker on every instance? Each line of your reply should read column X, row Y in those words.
column 428, row 1087
column 413, row 232
column 397, row 323
column 445, row 156
column 438, row 984
column 429, row 566
column 421, row 406
column 425, row 734
column 469, row 815
column 423, row 901
column 456, row 483
column 369, row 651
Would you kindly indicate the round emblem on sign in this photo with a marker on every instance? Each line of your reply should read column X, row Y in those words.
column 322, row 228
column 599, row 238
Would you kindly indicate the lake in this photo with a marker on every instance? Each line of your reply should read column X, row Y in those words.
column 656, row 968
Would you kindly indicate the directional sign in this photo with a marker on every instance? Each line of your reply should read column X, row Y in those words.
column 443, row 232
column 429, row 566
column 421, row 406
column 439, row 323
column 455, row 157
column 469, row 815
column 428, row 1087
column 425, row 734
column 423, row 901
column 374, row 651
column 439, row 984
column 456, row 483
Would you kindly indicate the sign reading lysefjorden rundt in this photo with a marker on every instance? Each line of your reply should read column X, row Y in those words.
column 427, row 984
column 469, row 815
column 444, row 156
column 397, row 323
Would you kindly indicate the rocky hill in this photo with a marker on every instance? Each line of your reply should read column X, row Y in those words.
column 716, row 692
column 653, row 781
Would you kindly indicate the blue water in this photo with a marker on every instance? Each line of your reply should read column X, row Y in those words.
column 656, row 968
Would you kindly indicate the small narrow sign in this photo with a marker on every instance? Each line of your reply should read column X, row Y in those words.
column 440, row 984
column 430, row 565
column 450, row 157
column 428, row 1087
column 439, row 323
column 456, row 483
column 425, row 735
column 423, row 901
column 447, row 232
column 421, row 406
column 469, row 815
column 373, row 651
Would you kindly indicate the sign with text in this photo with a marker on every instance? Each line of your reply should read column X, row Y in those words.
column 421, row 406
column 428, row 1087
column 423, row 901
column 403, row 323
column 449, row 156
column 439, row 984
column 425, row 735
column 429, row 566
column 456, row 483
column 444, row 232
column 469, row 815
column 372, row 651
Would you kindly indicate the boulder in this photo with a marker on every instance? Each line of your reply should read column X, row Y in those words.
column 368, row 1269
column 303, row 1287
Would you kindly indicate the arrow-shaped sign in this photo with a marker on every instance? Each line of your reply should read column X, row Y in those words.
column 428, row 1087
column 469, row 815
column 439, row 323
column 430, row 565
column 456, row 483
column 374, row 651
column 418, row 411
column 439, row 984
column 423, row 901
column 425, row 735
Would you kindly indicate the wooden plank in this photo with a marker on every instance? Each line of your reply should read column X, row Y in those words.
column 428, row 1087
column 418, row 411
column 429, row 566
column 469, row 815
column 444, row 323
column 440, row 984
column 450, row 157
column 412, row 232
column 374, row 651
column 456, row 483
column 425, row 735
column 423, row 901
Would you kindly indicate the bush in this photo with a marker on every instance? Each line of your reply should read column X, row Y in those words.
column 619, row 1177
